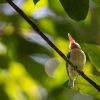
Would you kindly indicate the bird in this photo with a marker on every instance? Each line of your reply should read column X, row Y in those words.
column 77, row 57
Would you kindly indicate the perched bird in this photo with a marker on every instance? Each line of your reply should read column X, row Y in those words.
column 77, row 57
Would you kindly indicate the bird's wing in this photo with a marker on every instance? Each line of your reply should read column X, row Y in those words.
column 68, row 56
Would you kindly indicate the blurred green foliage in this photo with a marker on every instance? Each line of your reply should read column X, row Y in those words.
column 29, row 68
column 2, row 1
column 76, row 10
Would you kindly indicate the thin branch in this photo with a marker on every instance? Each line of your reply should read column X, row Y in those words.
column 34, row 26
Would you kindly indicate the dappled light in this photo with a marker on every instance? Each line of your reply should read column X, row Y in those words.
column 30, row 69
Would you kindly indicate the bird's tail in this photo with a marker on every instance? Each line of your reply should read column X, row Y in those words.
column 71, row 83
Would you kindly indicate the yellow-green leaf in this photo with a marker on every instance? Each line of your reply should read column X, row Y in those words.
column 93, row 52
column 86, row 88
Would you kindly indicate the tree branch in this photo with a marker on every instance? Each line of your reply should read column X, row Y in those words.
column 34, row 26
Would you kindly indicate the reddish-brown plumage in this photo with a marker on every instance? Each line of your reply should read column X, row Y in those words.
column 73, row 44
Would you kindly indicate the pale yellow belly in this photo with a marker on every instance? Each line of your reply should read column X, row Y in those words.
column 78, row 58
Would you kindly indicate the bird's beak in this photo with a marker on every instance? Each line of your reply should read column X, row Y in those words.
column 71, row 39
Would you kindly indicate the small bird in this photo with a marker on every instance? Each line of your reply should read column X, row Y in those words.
column 77, row 57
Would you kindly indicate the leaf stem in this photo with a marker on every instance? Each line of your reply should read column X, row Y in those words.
column 34, row 26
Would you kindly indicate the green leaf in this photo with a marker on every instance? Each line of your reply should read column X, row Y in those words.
column 3, row 1
column 58, row 9
column 76, row 9
column 86, row 88
column 93, row 52
column 97, row 2
column 35, row 1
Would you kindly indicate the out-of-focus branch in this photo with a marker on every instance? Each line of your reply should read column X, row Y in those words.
column 34, row 26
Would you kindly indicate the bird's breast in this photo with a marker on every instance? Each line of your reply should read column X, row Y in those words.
column 77, row 57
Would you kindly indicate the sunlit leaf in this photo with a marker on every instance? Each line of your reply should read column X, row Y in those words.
column 18, row 67
column 21, row 75
column 88, row 69
column 93, row 51
column 60, row 72
column 28, row 7
column 86, row 88
column 63, row 45
column 56, row 6
column 76, row 9
column 49, row 25
column 40, row 4
column 13, row 90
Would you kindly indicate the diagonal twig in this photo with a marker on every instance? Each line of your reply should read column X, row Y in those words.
column 34, row 26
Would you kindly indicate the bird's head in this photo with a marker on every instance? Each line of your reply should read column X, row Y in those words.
column 73, row 44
